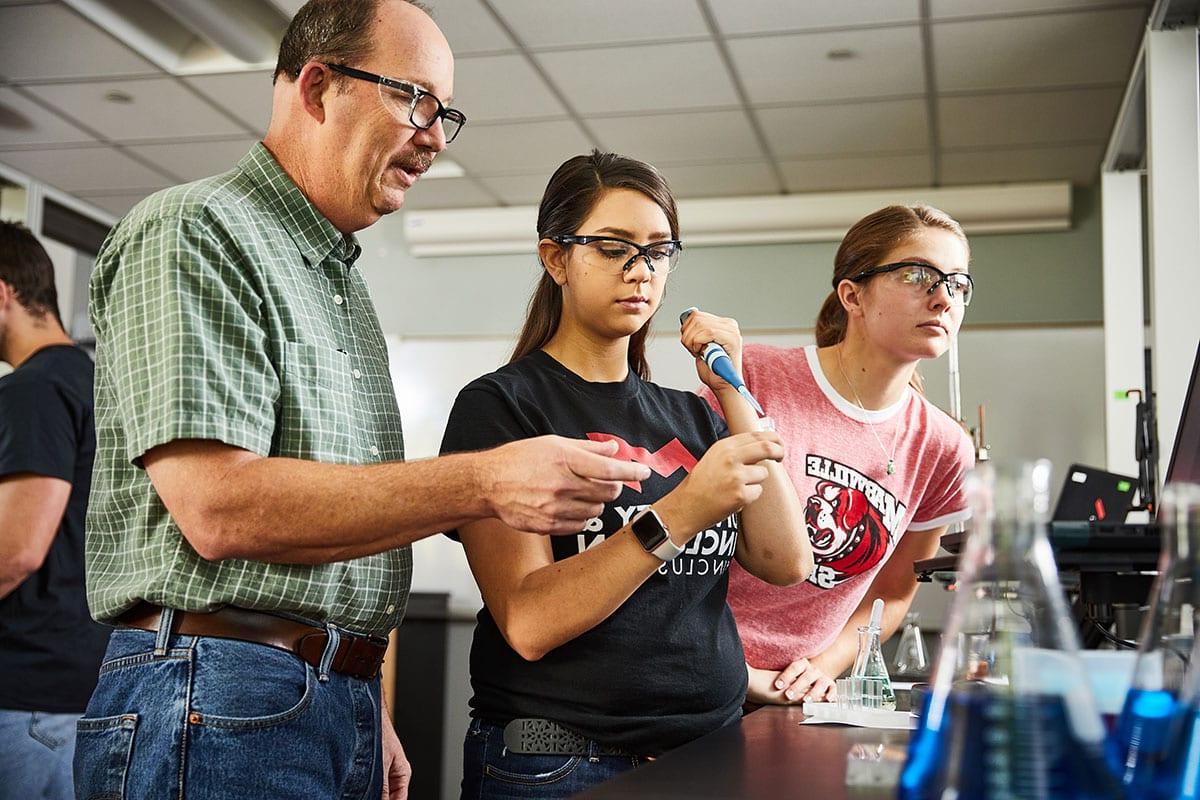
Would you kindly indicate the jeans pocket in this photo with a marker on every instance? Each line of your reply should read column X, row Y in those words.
column 52, row 730
column 244, row 685
column 103, row 748
column 532, row 770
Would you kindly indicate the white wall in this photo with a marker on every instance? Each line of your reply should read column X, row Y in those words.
column 1043, row 387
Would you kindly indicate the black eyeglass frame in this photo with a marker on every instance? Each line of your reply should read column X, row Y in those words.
column 643, row 250
column 417, row 92
column 943, row 279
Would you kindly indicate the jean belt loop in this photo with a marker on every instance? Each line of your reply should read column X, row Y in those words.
column 335, row 639
column 593, row 752
column 162, row 639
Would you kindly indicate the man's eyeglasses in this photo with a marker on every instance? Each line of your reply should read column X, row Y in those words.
column 409, row 102
column 926, row 278
column 619, row 255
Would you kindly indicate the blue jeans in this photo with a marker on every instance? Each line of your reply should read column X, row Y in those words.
column 35, row 755
column 491, row 772
column 200, row 717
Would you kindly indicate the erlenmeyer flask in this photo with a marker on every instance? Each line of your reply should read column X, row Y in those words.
column 869, row 667
column 1027, row 726
column 910, row 652
column 1146, row 748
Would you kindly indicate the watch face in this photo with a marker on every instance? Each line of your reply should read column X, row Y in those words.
column 649, row 530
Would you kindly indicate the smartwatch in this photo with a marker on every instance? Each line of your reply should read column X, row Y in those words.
column 648, row 527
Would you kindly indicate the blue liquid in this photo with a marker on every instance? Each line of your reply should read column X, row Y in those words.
column 992, row 745
column 1144, row 751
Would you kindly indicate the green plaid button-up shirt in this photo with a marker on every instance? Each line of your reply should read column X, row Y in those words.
column 229, row 309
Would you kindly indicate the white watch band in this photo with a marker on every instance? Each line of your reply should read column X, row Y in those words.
column 667, row 549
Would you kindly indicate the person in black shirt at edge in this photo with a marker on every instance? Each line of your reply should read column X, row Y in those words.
column 50, row 649
column 596, row 651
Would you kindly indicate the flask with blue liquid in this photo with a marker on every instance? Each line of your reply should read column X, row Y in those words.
column 1154, row 749
column 1017, row 718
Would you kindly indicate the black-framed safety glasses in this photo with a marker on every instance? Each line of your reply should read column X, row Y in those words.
column 926, row 278
column 611, row 252
column 409, row 103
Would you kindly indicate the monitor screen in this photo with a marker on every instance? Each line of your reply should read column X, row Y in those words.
column 1185, row 455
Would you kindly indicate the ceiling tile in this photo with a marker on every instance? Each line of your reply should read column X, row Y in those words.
column 1028, row 118
column 525, row 148
column 772, row 16
column 859, row 128
column 1046, row 50
column 948, row 9
column 721, row 180
column 23, row 121
column 470, row 28
column 447, row 193
column 161, row 108
column 84, row 169
column 50, row 41
column 692, row 136
column 788, row 69
column 587, row 22
column 288, row 7
column 846, row 174
column 666, row 76
column 194, row 160
column 519, row 190
column 502, row 87
column 1079, row 164
column 246, row 95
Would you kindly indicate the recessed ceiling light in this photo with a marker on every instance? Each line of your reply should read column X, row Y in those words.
column 841, row 54
column 117, row 96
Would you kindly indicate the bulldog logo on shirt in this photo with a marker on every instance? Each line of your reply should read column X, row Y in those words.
column 851, row 521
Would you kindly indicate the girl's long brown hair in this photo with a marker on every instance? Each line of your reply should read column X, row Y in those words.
column 864, row 246
column 570, row 196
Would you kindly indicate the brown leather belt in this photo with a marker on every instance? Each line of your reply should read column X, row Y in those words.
column 356, row 656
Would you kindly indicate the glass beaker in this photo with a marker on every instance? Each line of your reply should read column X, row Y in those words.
column 870, row 668
column 1014, row 717
column 1147, row 749
column 911, row 658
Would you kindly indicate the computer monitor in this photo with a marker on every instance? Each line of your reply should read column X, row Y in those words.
column 1185, row 455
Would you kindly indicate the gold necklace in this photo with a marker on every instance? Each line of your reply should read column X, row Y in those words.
column 891, row 460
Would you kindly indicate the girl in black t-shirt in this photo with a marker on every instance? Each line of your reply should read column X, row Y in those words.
column 600, row 649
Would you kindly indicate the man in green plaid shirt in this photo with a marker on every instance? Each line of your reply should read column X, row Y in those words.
column 248, row 488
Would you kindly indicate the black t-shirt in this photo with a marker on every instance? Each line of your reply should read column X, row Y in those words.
column 50, row 648
column 667, row 666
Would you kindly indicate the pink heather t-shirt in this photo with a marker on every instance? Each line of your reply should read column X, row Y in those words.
column 855, row 512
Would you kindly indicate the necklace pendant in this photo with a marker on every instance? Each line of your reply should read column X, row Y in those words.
column 891, row 467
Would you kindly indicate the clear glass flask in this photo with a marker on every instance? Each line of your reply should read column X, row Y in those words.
column 1015, row 719
column 911, row 658
column 1147, row 751
column 870, row 669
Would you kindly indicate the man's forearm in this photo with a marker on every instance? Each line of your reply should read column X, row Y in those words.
column 293, row 511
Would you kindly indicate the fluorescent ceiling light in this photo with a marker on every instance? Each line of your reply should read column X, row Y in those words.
column 825, row 217
column 443, row 168
column 187, row 37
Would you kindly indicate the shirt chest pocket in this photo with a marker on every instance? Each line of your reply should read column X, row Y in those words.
column 317, row 419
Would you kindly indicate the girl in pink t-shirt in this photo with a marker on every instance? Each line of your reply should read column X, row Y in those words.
column 879, row 468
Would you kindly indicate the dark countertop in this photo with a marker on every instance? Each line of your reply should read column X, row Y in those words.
column 770, row 755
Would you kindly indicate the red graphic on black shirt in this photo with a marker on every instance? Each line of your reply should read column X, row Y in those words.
column 847, row 532
column 666, row 460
